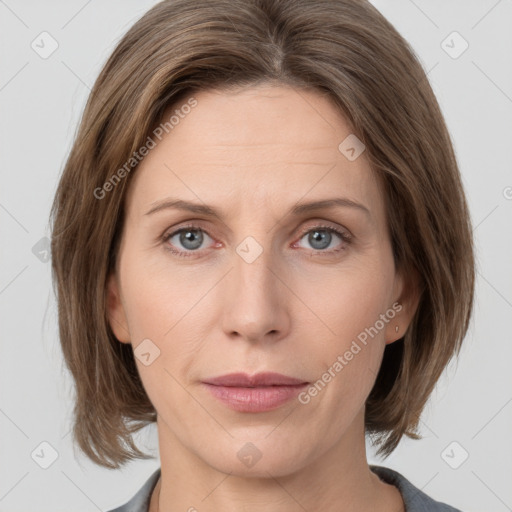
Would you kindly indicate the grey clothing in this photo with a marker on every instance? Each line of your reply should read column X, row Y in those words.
column 414, row 499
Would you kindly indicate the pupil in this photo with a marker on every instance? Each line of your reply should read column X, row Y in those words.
column 321, row 237
column 188, row 239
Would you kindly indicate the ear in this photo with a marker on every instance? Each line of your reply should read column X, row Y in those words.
column 406, row 297
column 115, row 311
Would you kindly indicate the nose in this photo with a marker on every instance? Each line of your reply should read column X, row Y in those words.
column 256, row 300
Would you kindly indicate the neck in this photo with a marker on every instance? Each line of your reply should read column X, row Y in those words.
column 338, row 480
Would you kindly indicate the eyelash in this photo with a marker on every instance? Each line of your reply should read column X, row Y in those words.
column 345, row 237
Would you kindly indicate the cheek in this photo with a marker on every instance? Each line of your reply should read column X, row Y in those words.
column 348, row 300
column 158, row 312
column 157, row 295
column 160, row 303
column 345, row 310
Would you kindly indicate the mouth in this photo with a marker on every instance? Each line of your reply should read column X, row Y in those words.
column 257, row 393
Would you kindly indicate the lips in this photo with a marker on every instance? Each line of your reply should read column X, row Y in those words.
column 243, row 380
column 254, row 394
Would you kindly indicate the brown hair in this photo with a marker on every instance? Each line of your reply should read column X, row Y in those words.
column 343, row 48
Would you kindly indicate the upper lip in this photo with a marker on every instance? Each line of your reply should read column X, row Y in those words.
column 250, row 381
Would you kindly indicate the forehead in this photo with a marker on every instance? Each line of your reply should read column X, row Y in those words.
column 266, row 115
column 265, row 142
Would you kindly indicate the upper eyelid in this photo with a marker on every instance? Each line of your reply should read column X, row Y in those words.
column 316, row 224
column 342, row 232
column 319, row 225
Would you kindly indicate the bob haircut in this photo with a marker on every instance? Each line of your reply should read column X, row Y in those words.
column 344, row 49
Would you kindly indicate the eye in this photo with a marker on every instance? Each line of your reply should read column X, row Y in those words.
column 187, row 241
column 190, row 238
column 321, row 238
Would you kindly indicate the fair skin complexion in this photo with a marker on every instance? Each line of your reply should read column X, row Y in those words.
column 253, row 155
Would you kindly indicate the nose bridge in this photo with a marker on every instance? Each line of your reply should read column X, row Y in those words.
column 255, row 305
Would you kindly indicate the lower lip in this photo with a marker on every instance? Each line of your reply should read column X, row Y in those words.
column 255, row 399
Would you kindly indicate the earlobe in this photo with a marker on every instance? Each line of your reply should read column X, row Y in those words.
column 115, row 311
column 405, row 306
column 397, row 332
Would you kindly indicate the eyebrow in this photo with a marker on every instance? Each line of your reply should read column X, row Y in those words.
column 298, row 209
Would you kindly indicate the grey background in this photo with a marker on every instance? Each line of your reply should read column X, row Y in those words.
column 41, row 101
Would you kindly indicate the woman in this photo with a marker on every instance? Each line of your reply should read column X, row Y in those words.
column 261, row 243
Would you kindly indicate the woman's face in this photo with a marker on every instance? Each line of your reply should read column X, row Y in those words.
column 262, row 285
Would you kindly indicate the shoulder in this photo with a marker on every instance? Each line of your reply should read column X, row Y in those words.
column 415, row 500
column 140, row 501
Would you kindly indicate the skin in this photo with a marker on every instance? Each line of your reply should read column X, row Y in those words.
column 253, row 155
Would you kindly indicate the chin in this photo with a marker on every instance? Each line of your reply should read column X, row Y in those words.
column 252, row 460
